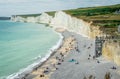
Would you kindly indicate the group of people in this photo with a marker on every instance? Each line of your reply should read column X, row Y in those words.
column 60, row 60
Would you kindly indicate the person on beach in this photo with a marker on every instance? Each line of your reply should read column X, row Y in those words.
column 47, row 68
column 61, row 54
column 93, row 57
column 77, row 50
column 23, row 78
column 42, row 75
column 62, row 60
column 45, row 71
column 98, row 61
column 88, row 47
column 57, row 57
column 114, row 68
column 72, row 60
column 77, row 62
column 89, row 55
column 56, row 68
column 58, row 63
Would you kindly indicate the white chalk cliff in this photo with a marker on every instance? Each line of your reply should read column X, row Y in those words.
column 43, row 18
column 63, row 20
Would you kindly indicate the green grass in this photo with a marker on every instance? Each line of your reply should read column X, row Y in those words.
column 103, row 16
column 51, row 13
column 93, row 11
column 35, row 15
column 107, row 23
column 29, row 15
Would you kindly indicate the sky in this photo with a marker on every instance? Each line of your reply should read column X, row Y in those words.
column 15, row 7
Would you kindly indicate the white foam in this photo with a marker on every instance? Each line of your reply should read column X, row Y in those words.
column 30, row 68
column 36, row 58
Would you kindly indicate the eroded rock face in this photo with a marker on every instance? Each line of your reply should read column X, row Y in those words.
column 111, row 51
column 31, row 19
column 63, row 20
column 18, row 19
column 43, row 18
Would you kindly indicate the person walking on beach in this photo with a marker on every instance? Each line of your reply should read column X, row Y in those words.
column 89, row 55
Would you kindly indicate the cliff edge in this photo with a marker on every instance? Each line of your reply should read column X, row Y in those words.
column 92, row 28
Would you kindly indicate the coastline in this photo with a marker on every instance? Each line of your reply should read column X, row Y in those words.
column 30, row 68
column 79, row 52
column 73, row 56
column 51, row 56
column 75, row 50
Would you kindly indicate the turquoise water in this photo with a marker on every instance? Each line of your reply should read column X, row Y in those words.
column 21, row 43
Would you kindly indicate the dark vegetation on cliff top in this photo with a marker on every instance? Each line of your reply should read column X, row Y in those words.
column 4, row 18
column 29, row 15
column 107, row 17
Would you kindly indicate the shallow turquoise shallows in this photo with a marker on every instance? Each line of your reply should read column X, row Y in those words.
column 21, row 43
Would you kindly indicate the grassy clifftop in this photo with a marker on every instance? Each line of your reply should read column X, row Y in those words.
column 106, row 16
column 29, row 15
column 97, row 14
column 93, row 11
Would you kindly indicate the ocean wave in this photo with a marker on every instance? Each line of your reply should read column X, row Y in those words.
column 30, row 68
column 37, row 58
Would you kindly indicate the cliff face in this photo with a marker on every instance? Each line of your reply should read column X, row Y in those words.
column 43, row 18
column 111, row 51
column 63, row 20
column 18, row 19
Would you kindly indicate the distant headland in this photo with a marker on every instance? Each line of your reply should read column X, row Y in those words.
column 5, row 18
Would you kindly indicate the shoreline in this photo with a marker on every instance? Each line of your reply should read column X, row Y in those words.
column 50, row 57
column 75, row 50
column 49, row 69
column 30, row 68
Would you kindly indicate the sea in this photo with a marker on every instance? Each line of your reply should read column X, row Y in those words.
column 24, row 46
